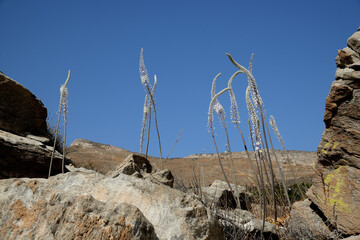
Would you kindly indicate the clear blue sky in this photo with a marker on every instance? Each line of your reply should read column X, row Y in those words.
column 185, row 42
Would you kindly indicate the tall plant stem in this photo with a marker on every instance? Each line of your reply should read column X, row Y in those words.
column 232, row 164
column 211, row 109
column 157, row 129
column 56, row 133
column 64, row 145
column 270, row 164
column 148, row 135
column 262, row 192
column 221, row 166
column 279, row 167
column 248, row 156
column 293, row 173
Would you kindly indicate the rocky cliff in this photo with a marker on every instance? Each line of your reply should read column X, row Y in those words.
column 335, row 194
column 25, row 147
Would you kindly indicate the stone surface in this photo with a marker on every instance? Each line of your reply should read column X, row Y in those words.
column 339, row 198
column 20, row 111
column 219, row 195
column 78, row 201
column 305, row 223
column 139, row 166
column 65, row 216
column 354, row 42
column 26, row 157
column 241, row 224
column 336, row 185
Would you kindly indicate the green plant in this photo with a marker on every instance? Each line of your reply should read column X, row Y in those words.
column 62, row 107
column 148, row 105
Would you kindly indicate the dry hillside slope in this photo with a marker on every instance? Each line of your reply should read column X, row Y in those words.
column 104, row 158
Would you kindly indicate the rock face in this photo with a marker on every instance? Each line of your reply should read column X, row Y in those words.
column 336, row 188
column 83, row 218
column 305, row 223
column 20, row 111
column 24, row 150
column 87, row 205
column 26, row 156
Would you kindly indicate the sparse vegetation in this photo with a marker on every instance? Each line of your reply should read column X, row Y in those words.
column 148, row 106
column 62, row 108
column 268, row 190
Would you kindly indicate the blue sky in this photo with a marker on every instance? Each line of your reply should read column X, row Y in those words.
column 294, row 45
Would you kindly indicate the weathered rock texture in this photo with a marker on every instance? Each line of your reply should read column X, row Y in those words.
column 336, row 188
column 27, row 156
column 24, row 137
column 139, row 166
column 87, row 205
column 219, row 195
column 20, row 111
column 305, row 223
column 241, row 224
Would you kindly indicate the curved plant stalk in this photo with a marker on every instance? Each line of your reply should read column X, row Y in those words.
column 149, row 117
column 62, row 106
column 156, row 125
column 259, row 104
column 150, row 92
column 173, row 146
column 278, row 135
column 221, row 115
column 236, row 119
column 211, row 129
column 279, row 167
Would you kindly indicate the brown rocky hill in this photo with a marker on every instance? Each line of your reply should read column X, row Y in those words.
column 104, row 158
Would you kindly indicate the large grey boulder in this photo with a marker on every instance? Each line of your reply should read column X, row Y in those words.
column 173, row 214
column 66, row 216
column 20, row 111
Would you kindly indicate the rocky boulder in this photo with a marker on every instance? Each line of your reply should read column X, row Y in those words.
column 27, row 156
column 139, row 166
column 241, row 224
column 25, row 147
column 336, row 187
column 83, row 204
column 20, row 111
column 219, row 195
column 306, row 223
